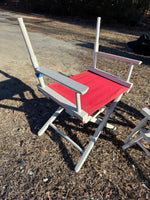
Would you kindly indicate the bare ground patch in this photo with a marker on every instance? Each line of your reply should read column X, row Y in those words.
column 33, row 167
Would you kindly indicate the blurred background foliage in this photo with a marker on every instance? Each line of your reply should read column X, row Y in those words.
column 126, row 11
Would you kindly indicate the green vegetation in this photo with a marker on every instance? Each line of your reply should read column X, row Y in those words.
column 120, row 10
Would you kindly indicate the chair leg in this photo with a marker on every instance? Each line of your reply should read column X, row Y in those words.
column 98, row 121
column 144, row 149
column 95, row 137
column 136, row 129
column 89, row 147
column 50, row 121
column 129, row 144
column 136, row 140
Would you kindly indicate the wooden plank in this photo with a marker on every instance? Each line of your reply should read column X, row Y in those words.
column 132, row 61
column 63, row 102
column 110, row 77
column 64, row 80
column 146, row 112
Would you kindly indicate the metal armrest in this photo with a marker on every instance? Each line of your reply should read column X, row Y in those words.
column 64, row 80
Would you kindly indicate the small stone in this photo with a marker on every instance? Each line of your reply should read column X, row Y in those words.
column 21, row 170
column 133, row 166
column 48, row 194
column 45, row 180
column 22, row 164
column 30, row 172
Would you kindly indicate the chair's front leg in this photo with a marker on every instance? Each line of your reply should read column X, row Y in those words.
column 89, row 147
column 50, row 121
column 96, row 135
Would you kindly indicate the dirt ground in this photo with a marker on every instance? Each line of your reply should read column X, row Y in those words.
column 42, row 168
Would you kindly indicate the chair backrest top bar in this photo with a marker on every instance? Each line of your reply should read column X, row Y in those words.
column 121, row 58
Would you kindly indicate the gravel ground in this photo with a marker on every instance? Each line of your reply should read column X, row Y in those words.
column 33, row 167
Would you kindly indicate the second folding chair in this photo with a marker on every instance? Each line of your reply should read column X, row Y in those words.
column 85, row 95
column 139, row 133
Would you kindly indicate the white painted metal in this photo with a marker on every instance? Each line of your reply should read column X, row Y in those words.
column 96, row 46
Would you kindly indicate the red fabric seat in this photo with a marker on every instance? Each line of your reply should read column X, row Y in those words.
column 101, row 91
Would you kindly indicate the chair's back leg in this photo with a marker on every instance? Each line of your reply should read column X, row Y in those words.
column 96, row 46
column 30, row 50
column 129, row 72
column 28, row 43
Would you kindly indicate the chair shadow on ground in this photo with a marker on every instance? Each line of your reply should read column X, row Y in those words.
column 33, row 107
column 38, row 110
column 122, row 50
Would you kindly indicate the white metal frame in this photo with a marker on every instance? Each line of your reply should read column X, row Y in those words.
column 79, row 89
column 143, row 133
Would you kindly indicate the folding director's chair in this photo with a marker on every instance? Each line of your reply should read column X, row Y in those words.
column 84, row 95
column 140, row 133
